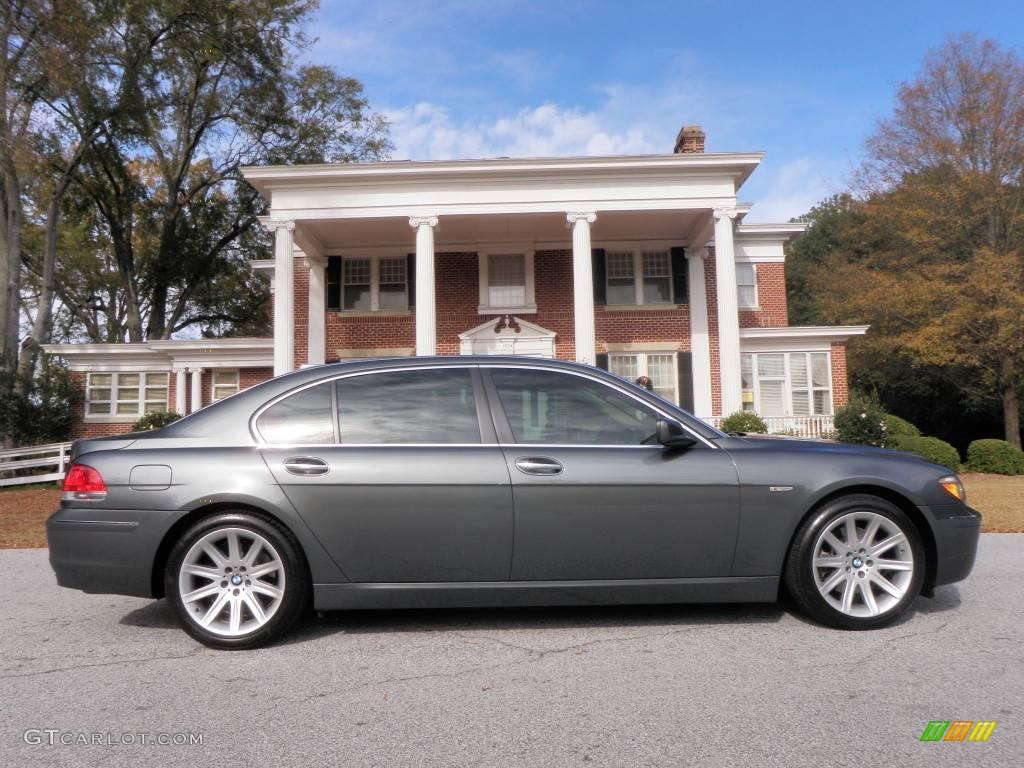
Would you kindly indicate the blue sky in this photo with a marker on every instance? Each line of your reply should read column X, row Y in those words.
column 804, row 82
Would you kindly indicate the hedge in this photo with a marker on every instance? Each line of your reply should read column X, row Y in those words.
column 995, row 456
column 894, row 425
column 155, row 420
column 744, row 421
column 861, row 422
column 930, row 448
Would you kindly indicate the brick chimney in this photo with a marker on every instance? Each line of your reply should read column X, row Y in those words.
column 690, row 139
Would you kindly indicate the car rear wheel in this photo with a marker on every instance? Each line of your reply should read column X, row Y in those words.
column 857, row 563
column 237, row 580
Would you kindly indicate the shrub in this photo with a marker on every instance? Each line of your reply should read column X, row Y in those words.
column 995, row 456
column 894, row 425
column 930, row 448
column 744, row 421
column 862, row 421
column 155, row 420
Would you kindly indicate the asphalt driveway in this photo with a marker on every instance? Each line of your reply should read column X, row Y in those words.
column 665, row 686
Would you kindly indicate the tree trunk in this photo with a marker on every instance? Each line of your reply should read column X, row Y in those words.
column 1011, row 414
column 41, row 327
column 10, row 268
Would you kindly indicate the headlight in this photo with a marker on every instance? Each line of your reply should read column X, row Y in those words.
column 953, row 486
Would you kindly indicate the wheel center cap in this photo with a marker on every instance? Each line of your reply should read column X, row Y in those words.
column 236, row 579
column 857, row 562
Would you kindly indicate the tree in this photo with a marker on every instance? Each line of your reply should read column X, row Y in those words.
column 939, row 267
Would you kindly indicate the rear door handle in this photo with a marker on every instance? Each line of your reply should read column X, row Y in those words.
column 538, row 465
column 306, row 466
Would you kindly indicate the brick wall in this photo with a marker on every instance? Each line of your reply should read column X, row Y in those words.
column 771, row 299
column 840, row 376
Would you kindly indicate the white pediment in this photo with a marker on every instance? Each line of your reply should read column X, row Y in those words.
column 505, row 335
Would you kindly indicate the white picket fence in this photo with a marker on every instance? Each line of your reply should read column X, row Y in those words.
column 797, row 426
column 53, row 456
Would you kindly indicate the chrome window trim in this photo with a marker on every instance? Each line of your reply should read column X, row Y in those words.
column 261, row 443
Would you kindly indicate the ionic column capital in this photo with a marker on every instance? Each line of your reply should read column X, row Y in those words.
column 725, row 213
column 422, row 221
column 576, row 216
column 276, row 224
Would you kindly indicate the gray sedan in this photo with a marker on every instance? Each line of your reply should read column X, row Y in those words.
column 492, row 481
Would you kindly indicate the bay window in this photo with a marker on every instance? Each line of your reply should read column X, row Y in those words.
column 787, row 383
column 125, row 394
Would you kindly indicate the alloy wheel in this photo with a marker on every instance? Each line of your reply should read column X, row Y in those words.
column 863, row 564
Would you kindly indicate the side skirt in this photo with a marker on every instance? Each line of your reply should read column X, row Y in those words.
column 738, row 589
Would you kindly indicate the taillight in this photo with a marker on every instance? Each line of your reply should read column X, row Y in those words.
column 83, row 483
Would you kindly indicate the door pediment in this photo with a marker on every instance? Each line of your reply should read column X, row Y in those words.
column 508, row 335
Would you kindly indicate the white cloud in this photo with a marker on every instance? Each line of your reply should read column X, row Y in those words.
column 791, row 191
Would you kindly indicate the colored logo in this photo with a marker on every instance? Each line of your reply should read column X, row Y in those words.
column 958, row 730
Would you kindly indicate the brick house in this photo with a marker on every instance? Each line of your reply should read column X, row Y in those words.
column 642, row 264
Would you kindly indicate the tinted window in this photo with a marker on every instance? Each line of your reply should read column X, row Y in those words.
column 305, row 417
column 559, row 408
column 426, row 406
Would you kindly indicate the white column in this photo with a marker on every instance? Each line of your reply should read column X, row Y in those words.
column 728, row 312
column 700, row 345
column 180, row 395
column 197, row 389
column 426, row 301
column 583, row 287
column 284, row 297
column 317, row 333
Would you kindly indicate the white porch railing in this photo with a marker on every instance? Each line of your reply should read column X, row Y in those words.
column 797, row 426
column 53, row 456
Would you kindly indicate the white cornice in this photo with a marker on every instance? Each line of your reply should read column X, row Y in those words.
column 822, row 334
column 164, row 355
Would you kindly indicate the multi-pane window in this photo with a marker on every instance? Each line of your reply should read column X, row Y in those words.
column 356, row 284
column 125, row 394
column 506, row 280
column 746, row 284
column 638, row 277
column 787, row 383
column 660, row 367
column 225, row 384
column 368, row 283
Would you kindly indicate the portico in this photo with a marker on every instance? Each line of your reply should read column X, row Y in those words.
column 509, row 207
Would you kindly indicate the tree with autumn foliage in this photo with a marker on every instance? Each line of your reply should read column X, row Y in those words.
column 936, row 262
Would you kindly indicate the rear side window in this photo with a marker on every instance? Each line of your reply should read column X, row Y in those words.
column 305, row 417
column 561, row 409
column 422, row 406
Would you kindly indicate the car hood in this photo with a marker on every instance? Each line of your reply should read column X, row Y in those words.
column 811, row 445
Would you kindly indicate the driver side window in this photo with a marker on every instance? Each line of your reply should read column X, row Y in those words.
column 556, row 408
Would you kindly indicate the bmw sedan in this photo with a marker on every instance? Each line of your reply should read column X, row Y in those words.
column 488, row 481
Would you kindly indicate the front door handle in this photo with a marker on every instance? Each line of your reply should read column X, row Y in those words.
column 538, row 465
column 306, row 466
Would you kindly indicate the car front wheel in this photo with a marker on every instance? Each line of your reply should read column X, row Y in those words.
column 237, row 580
column 857, row 563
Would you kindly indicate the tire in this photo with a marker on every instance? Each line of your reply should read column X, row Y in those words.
column 865, row 586
column 237, row 580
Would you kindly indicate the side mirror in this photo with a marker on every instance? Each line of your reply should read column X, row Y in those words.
column 672, row 435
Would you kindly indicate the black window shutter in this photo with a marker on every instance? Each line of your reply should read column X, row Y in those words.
column 601, row 361
column 680, row 274
column 600, row 284
column 410, row 277
column 685, row 366
column 333, row 282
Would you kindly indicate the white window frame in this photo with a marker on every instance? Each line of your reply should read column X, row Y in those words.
column 115, row 388
column 374, row 260
column 642, row 367
column 485, row 308
column 214, row 386
column 638, row 276
column 787, row 380
column 757, row 295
